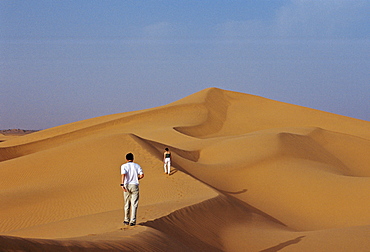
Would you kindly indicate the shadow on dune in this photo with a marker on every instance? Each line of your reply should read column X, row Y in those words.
column 217, row 105
column 146, row 241
column 238, row 192
column 197, row 226
column 156, row 149
column 200, row 227
column 283, row 245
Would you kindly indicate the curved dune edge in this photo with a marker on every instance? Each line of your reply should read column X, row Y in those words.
column 231, row 226
column 248, row 174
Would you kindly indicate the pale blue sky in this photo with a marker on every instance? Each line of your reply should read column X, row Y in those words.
column 65, row 61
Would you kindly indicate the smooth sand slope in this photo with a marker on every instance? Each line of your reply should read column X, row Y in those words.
column 249, row 174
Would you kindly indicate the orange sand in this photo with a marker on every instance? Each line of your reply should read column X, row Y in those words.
column 249, row 174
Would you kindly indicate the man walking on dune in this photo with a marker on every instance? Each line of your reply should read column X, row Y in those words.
column 131, row 173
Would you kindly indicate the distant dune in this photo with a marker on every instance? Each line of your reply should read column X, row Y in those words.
column 17, row 132
column 11, row 133
column 249, row 174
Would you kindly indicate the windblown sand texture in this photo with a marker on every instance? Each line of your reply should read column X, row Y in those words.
column 249, row 174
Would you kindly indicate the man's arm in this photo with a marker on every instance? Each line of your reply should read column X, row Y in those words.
column 140, row 176
column 122, row 182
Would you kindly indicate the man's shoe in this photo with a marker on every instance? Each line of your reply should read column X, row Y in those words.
column 126, row 222
column 132, row 224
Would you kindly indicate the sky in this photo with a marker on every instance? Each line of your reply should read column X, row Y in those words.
column 66, row 61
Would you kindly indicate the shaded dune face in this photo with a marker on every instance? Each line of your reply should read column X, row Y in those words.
column 249, row 174
column 216, row 103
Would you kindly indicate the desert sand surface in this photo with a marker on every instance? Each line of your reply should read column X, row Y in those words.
column 6, row 137
column 248, row 174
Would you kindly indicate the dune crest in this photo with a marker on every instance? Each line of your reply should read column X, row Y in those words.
column 216, row 104
column 249, row 174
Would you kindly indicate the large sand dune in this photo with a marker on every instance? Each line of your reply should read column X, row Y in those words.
column 249, row 174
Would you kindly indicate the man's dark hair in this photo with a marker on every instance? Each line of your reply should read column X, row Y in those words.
column 166, row 149
column 130, row 156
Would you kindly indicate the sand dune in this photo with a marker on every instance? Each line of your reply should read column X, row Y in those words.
column 249, row 174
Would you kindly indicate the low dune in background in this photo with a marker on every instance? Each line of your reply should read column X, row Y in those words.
column 249, row 174
column 6, row 137
column 3, row 138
